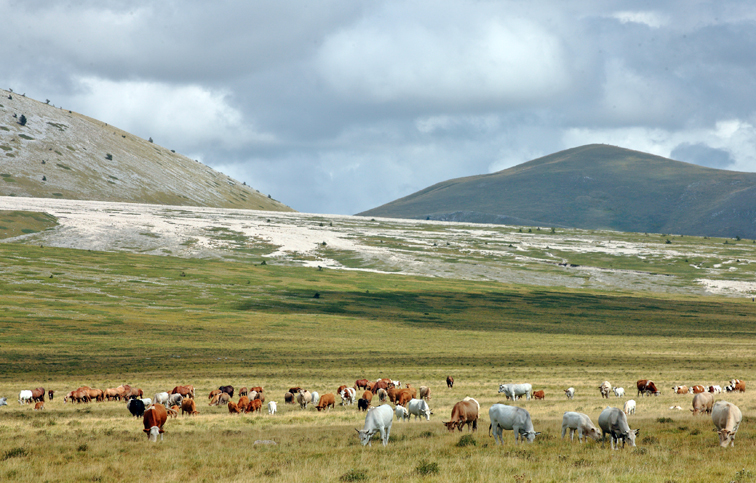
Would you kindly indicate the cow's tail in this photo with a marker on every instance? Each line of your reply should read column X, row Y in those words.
column 489, row 429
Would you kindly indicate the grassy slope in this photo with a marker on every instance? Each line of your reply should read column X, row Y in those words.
column 109, row 318
column 70, row 151
column 597, row 186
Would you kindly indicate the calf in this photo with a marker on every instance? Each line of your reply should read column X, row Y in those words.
column 425, row 393
column 154, row 420
column 401, row 413
column 580, row 423
column 539, row 394
column 50, row 394
column 619, row 391
column 326, row 401
column 702, row 403
column 449, row 382
column 614, row 422
column 172, row 412
column 464, row 412
column 363, row 405
column 188, row 407
column 3, row 401
column 629, row 407
column 272, row 407
column 726, row 418
column 377, row 419
column 570, row 393
column 304, row 398
column 39, row 406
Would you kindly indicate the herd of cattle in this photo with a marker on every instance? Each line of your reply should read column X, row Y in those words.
column 409, row 402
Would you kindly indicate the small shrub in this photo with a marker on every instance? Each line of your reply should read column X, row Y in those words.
column 426, row 468
column 15, row 453
column 668, row 242
column 271, row 472
column 665, row 420
column 467, row 440
column 22, row 120
column 695, row 431
column 83, row 447
column 149, row 140
column 649, row 440
column 427, row 434
column 640, row 451
column 109, row 157
column 354, row 475
column 582, row 463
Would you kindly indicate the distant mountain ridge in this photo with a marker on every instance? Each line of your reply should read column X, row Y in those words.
column 595, row 187
column 62, row 154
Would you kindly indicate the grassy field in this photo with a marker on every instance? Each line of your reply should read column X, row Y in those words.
column 75, row 317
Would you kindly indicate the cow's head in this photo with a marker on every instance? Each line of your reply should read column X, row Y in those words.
column 629, row 437
column 593, row 433
column 726, row 437
column 365, row 436
column 153, row 432
column 451, row 425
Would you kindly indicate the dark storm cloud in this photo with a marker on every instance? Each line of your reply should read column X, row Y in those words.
column 339, row 106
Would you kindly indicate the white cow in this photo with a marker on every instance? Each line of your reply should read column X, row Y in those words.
column 315, row 397
column 629, row 407
column 619, row 391
column 3, row 401
column 582, row 424
column 162, row 398
column 511, row 418
column 604, row 388
column 401, row 413
column 726, row 417
column 147, row 402
column 347, row 396
column 614, row 422
column 716, row 389
column 303, row 398
column 419, row 408
column 570, row 393
column 272, row 407
column 175, row 400
column 377, row 419
column 25, row 396
column 512, row 391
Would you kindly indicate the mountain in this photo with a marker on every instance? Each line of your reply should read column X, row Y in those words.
column 595, row 187
column 62, row 154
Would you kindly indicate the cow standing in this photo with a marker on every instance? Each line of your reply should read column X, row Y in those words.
column 377, row 419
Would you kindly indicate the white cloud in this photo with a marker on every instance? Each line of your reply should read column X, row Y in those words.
column 649, row 18
column 191, row 116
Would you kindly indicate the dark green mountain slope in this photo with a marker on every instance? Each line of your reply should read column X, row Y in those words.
column 595, row 187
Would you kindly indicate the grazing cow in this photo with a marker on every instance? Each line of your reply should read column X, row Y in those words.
column 39, row 406
column 257, row 389
column 367, row 395
column 326, row 401
column 614, row 422
column 646, row 386
column 629, row 407
column 233, row 408
column 243, row 391
column 186, row 390
column 702, row 403
column 253, row 395
column 539, row 394
column 172, row 412
column 147, row 402
column 511, row 418
column 243, row 402
column 726, row 418
column 188, row 406
column 289, row 398
column 3, row 401
column 449, row 382
column 341, row 388
column 698, row 389
column 419, row 408
column 604, row 389
column 715, row 389
column 363, row 404
column 377, row 419
column 228, row 390
column 738, row 385
column 570, row 393
column 680, row 389
column 361, row 384
column 213, row 393
column 513, row 391
column 135, row 407
column 403, row 397
column 315, row 397
column 162, row 398
column 425, row 393
column 464, row 412
column 111, row 394
column 580, row 423
column 50, row 394
column 272, row 407
column 619, row 391
column 254, row 405
column 154, row 419
column 468, row 398
column 25, row 396
column 295, row 390
column 175, row 400
column 347, row 395
column 303, row 398
column 401, row 413
column 38, row 394
column 382, row 395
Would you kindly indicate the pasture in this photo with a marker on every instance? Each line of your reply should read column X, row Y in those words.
column 76, row 317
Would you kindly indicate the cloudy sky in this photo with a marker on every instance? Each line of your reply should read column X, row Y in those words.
column 341, row 106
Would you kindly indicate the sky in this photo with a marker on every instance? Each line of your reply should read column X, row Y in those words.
column 339, row 106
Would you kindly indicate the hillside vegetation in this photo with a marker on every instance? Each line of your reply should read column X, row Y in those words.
column 595, row 187
column 61, row 154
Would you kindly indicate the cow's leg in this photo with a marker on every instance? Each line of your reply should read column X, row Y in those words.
column 564, row 431
column 581, row 436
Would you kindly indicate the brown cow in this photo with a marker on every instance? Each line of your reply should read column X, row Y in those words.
column 697, row 389
column 403, row 397
column 258, row 389
column 382, row 384
column 464, row 412
column 739, row 386
column 242, row 403
column 392, row 393
column 38, row 394
column 220, row 399
column 449, row 382
column 214, row 393
column 233, row 408
column 243, row 391
column 425, row 393
column 188, row 406
column 539, row 395
column 111, row 394
column 173, row 412
column 51, row 393
column 254, row 405
column 96, row 394
column 361, row 384
column 367, row 395
column 341, row 388
column 289, row 398
column 326, row 401
column 295, row 390
column 646, row 386
column 680, row 389
column 39, row 406
column 154, row 419
column 186, row 390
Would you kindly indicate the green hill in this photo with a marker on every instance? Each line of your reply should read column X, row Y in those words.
column 595, row 187
column 58, row 153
